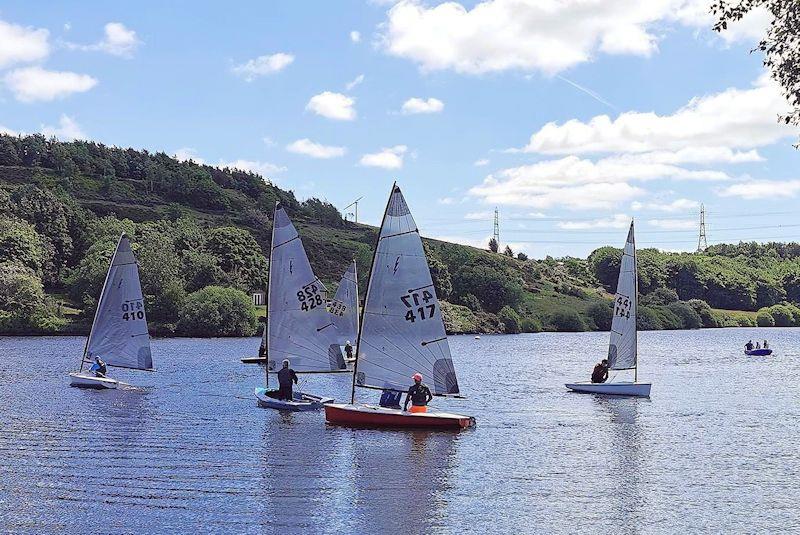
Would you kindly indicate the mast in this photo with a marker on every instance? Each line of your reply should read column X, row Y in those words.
column 366, row 295
column 269, row 289
column 100, row 300
column 358, row 312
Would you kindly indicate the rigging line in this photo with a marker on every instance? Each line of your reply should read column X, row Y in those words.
column 413, row 346
column 421, row 353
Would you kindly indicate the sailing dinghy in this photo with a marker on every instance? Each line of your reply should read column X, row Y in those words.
column 402, row 332
column 299, row 326
column 119, row 333
column 623, row 346
column 344, row 308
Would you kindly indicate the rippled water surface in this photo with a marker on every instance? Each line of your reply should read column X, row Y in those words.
column 187, row 449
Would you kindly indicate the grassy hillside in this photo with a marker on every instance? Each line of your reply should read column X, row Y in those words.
column 196, row 227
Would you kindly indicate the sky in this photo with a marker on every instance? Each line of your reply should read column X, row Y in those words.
column 570, row 117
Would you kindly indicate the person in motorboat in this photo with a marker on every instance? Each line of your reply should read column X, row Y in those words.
column 765, row 346
column 758, row 345
column 600, row 372
column 286, row 376
column 99, row 367
column 348, row 350
column 419, row 395
column 390, row 399
column 749, row 346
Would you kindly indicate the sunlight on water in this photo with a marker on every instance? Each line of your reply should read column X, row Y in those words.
column 186, row 448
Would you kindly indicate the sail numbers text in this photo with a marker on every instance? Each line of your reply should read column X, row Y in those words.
column 132, row 310
column 622, row 307
column 309, row 297
column 420, row 306
column 337, row 308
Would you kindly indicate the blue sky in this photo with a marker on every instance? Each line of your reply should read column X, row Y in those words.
column 468, row 106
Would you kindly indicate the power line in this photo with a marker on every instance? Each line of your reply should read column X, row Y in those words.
column 702, row 242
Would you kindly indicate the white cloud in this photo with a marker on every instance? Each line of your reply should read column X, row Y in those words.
column 8, row 131
column 482, row 162
column 333, row 106
column 387, row 158
column 263, row 65
column 599, row 196
column 446, row 200
column 420, row 105
column 67, row 129
column 356, row 81
column 762, row 189
column 678, row 205
column 187, row 153
column 616, row 221
column 673, row 224
column 118, row 40
column 30, row 84
column 355, row 36
column 20, row 44
column 535, row 35
column 712, row 124
column 268, row 141
column 254, row 166
column 316, row 150
column 478, row 216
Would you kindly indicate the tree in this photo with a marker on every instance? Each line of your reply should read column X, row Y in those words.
column 601, row 314
column 781, row 45
column 568, row 321
column 508, row 252
column 522, row 256
column 662, row 296
column 764, row 318
column 493, row 245
column 510, row 319
column 20, row 243
column 239, row 256
column 493, row 288
column 604, row 264
column 217, row 311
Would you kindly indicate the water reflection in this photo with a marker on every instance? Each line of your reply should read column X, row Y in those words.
column 625, row 501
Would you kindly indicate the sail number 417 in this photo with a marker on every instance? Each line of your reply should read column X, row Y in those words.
column 418, row 305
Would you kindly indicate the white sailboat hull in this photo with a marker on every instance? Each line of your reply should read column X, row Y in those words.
column 89, row 380
column 635, row 389
column 301, row 401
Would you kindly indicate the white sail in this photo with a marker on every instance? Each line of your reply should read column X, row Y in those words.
column 299, row 325
column 344, row 306
column 119, row 332
column 402, row 331
column 622, row 348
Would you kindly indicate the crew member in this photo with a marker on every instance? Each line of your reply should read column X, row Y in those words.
column 600, row 372
column 99, row 367
column 286, row 376
column 348, row 350
column 419, row 395
column 749, row 345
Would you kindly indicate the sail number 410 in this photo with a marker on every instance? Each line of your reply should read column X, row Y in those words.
column 132, row 310
column 418, row 307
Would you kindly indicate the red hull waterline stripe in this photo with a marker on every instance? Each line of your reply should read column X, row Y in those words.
column 359, row 418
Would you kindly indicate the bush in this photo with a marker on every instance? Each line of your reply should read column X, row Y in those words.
column 601, row 315
column 669, row 320
column 568, row 321
column 704, row 311
column 510, row 319
column 217, row 311
column 661, row 296
column 648, row 320
column 493, row 288
column 782, row 315
column 471, row 302
column 764, row 318
column 690, row 319
column 531, row 325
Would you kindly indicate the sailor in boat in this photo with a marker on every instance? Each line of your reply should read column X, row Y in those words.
column 348, row 350
column 99, row 367
column 765, row 346
column 749, row 345
column 286, row 376
column 419, row 395
column 600, row 372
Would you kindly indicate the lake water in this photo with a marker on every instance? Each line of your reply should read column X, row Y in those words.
column 187, row 449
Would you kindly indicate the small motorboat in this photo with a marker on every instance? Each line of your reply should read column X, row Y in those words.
column 612, row 389
column 758, row 352
column 90, row 380
column 268, row 399
column 371, row 416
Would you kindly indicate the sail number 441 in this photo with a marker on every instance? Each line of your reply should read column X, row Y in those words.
column 622, row 307
column 419, row 305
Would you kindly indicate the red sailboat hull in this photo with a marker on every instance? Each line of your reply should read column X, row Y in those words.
column 370, row 416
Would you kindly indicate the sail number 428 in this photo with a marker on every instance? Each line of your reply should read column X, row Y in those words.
column 309, row 297
column 419, row 305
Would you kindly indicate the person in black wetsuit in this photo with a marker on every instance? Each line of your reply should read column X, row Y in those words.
column 99, row 367
column 748, row 346
column 348, row 350
column 286, row 376
column 600, row 372
column 419, row 395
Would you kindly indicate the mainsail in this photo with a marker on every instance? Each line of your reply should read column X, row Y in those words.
column 299, row 325
column 402, row 331
column 622, row 348
column 344, row 306
column 119, row 332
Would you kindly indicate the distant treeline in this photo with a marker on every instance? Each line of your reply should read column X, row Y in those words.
column 201, row 235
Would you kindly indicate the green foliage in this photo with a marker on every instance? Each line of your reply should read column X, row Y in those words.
column 791, row 284
column 604, row 264
column 660, row 296
column 493, row 287
column 20, row 243
column 24, row 308
column 508, row 252
column 689, row 317
column 471, row 302
column 522, row 256
column 493, row 245
column 707, row 317
column 785, row 315
column 764, row 318
column 322, row 211
column 531, row 325
column 439, row 273
column 222, row 311
column 239, row 256
column 567, row 321
column 510, row 319
column 648, row 320
column 601, row 315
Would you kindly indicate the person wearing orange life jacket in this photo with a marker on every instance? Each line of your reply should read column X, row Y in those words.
column 419, row 395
